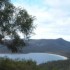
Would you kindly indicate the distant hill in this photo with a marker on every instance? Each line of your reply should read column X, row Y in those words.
column 56, row 46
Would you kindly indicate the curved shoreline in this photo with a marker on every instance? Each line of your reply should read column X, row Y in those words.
column 37, row 57
column 37, row 53
column 58, row 55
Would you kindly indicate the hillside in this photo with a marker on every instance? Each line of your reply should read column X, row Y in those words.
column 56, row 46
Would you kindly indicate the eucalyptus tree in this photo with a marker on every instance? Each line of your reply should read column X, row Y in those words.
column 12, row 21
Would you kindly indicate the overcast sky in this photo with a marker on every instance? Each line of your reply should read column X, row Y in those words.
column 52, row 17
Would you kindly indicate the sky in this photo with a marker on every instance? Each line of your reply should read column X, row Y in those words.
column 52, row 17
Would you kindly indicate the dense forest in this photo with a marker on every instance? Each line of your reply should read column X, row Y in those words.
column 8, row 64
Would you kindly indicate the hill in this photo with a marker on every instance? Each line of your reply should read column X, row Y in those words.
column 56, row 46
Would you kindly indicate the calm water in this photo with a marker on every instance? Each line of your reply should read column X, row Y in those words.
column 38, row 57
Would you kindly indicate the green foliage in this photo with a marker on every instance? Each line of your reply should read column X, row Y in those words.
column 14, row 46
column 13, row 20
column 56, row 65
column 6, row 12
column 25, row 22
column 8, row 64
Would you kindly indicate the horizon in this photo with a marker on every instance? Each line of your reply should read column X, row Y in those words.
column 50, row 39
column 52, row 17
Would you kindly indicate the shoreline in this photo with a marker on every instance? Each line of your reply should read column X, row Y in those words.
column 37, row 53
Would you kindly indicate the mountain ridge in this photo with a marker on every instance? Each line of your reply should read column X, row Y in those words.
column 56, row 46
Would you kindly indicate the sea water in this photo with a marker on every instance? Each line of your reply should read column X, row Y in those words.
column 37, row 57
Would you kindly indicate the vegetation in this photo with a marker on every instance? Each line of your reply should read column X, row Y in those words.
column 9, row 64
column 12, row 22
column 56, row 65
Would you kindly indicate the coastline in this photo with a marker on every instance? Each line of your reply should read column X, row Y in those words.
column 36, row 53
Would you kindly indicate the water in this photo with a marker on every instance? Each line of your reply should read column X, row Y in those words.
column 38, row 57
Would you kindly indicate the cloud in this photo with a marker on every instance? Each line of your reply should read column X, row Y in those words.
column 52, row 17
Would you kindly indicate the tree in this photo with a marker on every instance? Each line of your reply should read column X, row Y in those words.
column 12, row 21
column 24, row 22
column 6, row 12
